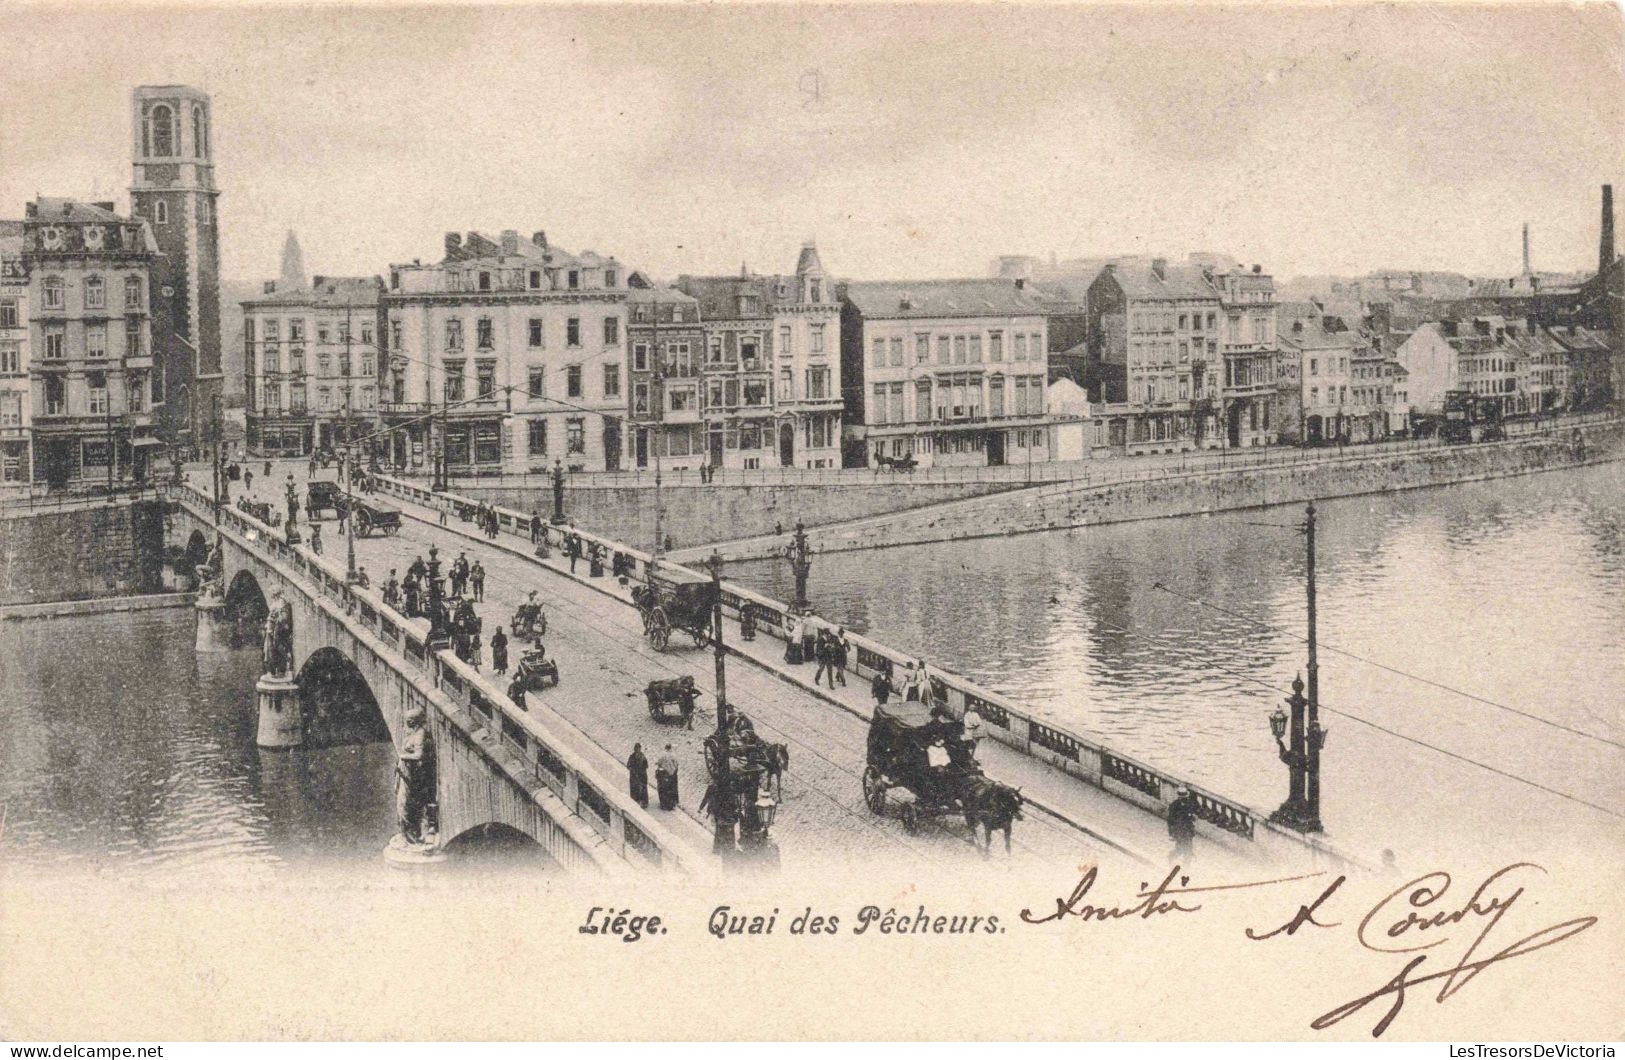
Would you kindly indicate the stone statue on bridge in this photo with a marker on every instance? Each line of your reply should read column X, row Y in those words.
column 211, row 574
column 415, row 781
column 277, row 649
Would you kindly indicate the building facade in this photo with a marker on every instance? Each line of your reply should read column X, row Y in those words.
column 1332, row 377
column 508, row 355
column 770, row 379
column 948, row 372
column 1248, row 345
column 91, row 365
column 666, row 343
column 16, row 406
column 174, row 192
column 311, row 365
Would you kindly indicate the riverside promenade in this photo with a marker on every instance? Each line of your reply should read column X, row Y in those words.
column 596, row 636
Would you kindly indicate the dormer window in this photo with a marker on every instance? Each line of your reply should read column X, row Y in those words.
column 575, row 279
column 535, row 279
column 485, row 281
column 609, row 277
column 817, row 291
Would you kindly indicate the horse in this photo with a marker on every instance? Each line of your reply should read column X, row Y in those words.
column 995, row 807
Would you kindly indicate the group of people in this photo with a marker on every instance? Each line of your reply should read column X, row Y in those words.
column 467, row 580
column 484, row 516
column 637, row 769
column 914, row 686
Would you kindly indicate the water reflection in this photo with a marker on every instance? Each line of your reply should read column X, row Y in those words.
column 1509, row 590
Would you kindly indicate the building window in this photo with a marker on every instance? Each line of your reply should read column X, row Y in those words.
column 324, row 398
column 54, row 297
column 96, row 387
column 454, row 381
column 368, row 366
column 640, row 399
column 879, row 356
column 612, row 330
column 296, row 397
column 56, row 395
column 877, row 409
column 95, row 292
column 818, row 382
column 535, row 384
column 609, row 277
column 132, row 338
column 1020, row 352
column 572, row 381
column 395, row 341
column 159, row 134
column 160, row 212
column 8, row 313
column 995, row 346
column 96, row 341
column 574, row 283
column 612, row 380
column 535, row 279
column 296, row 330
column 750, row 352
column 55, row 344
column 572, row 331
column 682, row 398
column 324, row 363
column 816, row 336
column 454, row 334
column 366, row 334
column 485, row 281
column 10, row 358
column 575, row 434
column 487, row 443
column 713, row 350
column 296, row 360
column 943, row 355
column 784, row 340
column 534, row 333
column 485, row 379
column 897, row 352
column 536, row 437
column 922, row 348
column 640, row 357
column 483, row 334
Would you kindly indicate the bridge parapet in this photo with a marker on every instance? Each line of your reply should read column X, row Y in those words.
column 535, row 751
column 1084, row 758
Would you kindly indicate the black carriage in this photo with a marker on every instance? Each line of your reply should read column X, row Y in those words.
column 536, row 671
column 372, row 515
column 529, row 622
column 912, row 749
column 678, row 691
column 746, row 781
column 321, row 496
column 676, row 598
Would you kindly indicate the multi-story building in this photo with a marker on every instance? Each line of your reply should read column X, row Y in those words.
column 1248, row 343
column 1324, row 360
column 952, row 372
column 16, row 441
column 517, row 347
column 90, row 342
column 1588, row 363
column 1154, row 352
column 311, row 364
column 666, row 340
column 174, row 193
column 1503, row 361
column 776, row 338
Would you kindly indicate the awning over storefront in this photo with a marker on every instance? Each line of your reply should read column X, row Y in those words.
column 145, row 443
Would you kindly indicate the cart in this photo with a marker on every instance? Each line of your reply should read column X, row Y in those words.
column 906, row 751
column 679, row 691
column 535, row 671
column 676, row 598
column 372, row 515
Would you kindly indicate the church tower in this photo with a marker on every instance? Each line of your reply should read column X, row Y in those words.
column 173, row 190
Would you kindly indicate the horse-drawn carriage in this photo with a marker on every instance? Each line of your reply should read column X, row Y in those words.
column 678, row 691
column 675, row 598
column 922, row 752
column 322, row 495
column 746, row 780
column 535, row 670
column 372, row 515
column 529, row 621
column 897, row 463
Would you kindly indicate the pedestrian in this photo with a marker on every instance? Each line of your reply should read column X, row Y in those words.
column 824, row 653
column 747, row 623
column 316, row 538
column 792, row 641
column 843, row 648
column 478, row 577
column 1182, row 825
column 499, row 651
column 536, row 526
column 666, row 780
column 392, row 590
column 442, row 516
column 971, row 728
column 267, row 469
column 516, row 692
column 248, row 480
column 911, row 684
column 572, row 548
column 880, row 687
column 637, row 771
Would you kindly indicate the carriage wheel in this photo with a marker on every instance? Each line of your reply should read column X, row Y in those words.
column 874, row 790
column 659, row 628
column 712, row 762
column 911, row 818
column 701, row 636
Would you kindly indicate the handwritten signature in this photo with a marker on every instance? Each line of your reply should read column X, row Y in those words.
column 1424, row 914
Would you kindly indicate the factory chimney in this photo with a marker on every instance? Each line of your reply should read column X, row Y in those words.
column 1605, row 248
column 1526, row 270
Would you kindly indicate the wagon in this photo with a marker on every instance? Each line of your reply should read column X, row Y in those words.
column 322, row 495
column 676, row 598
column 906, row 751
column 535, row 671
column 372, row 515
column 678, row 691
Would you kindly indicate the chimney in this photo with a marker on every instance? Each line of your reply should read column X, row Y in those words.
column 907, row 301
column 1258, row 270
column 270, row 287
column 1021, row 283
column 1159, row 268
column 540, row 239
column 1605, row 247
column 510, row 242
column 1526, row 248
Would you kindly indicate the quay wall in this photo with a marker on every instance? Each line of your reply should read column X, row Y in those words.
column 697, row 514
column 81, row 551
column 1176, row 493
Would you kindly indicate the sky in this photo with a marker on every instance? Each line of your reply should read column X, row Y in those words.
column 909, row 141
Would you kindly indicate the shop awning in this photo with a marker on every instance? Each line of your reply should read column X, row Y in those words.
column 145, row 443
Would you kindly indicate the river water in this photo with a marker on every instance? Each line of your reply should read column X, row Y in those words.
column 1510, row 591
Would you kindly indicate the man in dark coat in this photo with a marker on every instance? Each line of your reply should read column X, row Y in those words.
column 499, row 651
column 880, row 687
column 1182, row 824
column 637, row 769
column 666, row 780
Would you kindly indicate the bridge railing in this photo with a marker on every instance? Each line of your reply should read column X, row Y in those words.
column 1123, row 776
column 549, row 755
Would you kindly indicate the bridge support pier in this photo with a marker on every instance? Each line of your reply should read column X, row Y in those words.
column 214, row 628
column 282, row 718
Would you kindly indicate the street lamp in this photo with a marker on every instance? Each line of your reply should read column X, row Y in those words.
column 722, row 803
column 558, row 492
column 1301, row 750
column 800, row 558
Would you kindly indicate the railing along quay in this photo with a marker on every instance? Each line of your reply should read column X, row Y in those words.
column 583, row 790
column 1088, row 760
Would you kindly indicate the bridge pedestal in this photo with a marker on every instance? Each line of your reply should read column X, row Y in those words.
column 405, row 854
column 213, row 627
column 282, row 719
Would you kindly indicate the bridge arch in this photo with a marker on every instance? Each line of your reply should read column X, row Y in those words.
column 494, row 844
column 246, row 607
column 338, row 703
column 197, row 551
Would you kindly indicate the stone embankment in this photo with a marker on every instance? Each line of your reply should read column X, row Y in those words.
column 1172, row 491
column 81, row 549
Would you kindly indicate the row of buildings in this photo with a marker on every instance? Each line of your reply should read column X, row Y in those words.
column 110, row 321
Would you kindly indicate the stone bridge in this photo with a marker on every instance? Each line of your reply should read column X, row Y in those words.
column 494, row 767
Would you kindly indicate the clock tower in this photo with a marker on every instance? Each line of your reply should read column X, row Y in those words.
column 173, row 190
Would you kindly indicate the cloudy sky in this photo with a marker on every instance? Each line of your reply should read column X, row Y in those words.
column 909, row 140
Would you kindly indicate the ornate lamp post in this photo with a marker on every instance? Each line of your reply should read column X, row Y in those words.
column 349, row 517
column 1301, row 751
column 439, row 628
column 558, row 492
column 800, row 557
column 723, row 807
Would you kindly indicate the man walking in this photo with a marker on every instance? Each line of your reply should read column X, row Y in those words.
column 499, row 651
column 477, row 575
column 1182, row 825
column 666, row 780
column 842, row 647
column 824, row 653
column 637, row 771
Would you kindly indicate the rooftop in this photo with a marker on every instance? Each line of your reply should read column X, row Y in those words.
column 323, row 291
column 916, row 299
